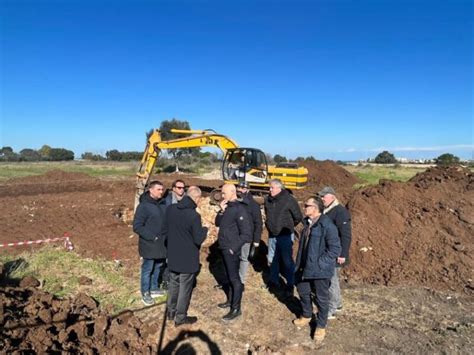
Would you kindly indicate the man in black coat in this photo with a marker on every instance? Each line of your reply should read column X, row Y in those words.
column 342, row 219
column 253, row 210
column 174, row 196
column 184, row 235
column 315, row 264
column 282, row 215
column 148, row 224
column 234, row 231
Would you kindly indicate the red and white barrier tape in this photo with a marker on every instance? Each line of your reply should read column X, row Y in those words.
column 67, row 242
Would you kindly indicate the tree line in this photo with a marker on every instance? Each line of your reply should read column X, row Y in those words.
column 45, row 153
column 445, row 159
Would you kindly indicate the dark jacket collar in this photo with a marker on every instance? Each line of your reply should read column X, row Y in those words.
column 323, row 220
column 279, row 196
column 245, row 198
column 145, row 197
column 186, row 203
column 234, row 203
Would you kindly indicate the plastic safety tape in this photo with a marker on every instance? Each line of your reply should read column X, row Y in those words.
column 48, row 240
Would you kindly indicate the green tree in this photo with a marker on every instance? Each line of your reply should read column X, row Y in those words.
column 166, row 134
column 127, row 156
column 28, row 154
column 60, row 154
column 6, row 150
column 91, row 156
column 7, row 154
column 310, row 158
column 45, row 152
column 279, row 159
column 385, row 158
column 447, row 159
column 113, row 155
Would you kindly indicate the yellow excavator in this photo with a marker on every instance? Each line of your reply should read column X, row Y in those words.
column 239, row 164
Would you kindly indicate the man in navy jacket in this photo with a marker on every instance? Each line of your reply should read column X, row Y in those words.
column 148, row 224
column 184, row 235
column 315, row 264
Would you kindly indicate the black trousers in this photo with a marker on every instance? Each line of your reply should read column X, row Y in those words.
column 322, row 299
column 235, row 287
column 179, row 293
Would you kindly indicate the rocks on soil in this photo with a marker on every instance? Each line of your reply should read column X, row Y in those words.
column 35, row 321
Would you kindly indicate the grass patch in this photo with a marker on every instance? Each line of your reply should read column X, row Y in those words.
column 370, row 174
column 60, row 270
column 96, row 169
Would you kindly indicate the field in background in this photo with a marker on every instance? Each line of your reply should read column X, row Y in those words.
column 371, row 174
column 96, row 169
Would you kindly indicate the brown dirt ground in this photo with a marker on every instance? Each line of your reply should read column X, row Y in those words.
column 414, row 237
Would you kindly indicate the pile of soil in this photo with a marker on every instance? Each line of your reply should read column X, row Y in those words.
column 35, row 321
column 419, row 232
column 328, row 173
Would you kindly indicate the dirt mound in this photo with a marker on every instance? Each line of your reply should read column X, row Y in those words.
column 436, row 175
column 36, row 321
column 328, row 173
column 53, row 181
column 418, row 232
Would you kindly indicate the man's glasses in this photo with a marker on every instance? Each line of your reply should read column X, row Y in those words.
column 179, row 187
column 306, row 206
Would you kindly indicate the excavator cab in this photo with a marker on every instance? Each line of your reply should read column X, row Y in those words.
column 245, row 164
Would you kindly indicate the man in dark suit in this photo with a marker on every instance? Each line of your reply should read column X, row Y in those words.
column 184, row 235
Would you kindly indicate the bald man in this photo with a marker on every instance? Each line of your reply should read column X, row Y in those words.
column 234, row 231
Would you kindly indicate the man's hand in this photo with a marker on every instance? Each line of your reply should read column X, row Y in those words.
column 223, row 205
column 341, row 261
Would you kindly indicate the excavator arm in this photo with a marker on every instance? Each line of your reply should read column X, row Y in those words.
column 205, row 138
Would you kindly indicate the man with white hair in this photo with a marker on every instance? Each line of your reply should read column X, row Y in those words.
column 282, row 215
column 342, row 219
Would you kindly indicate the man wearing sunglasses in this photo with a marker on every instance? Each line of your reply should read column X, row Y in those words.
column 177, row 192
column 318, row 251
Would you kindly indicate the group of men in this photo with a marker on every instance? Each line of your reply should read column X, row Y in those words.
column 171, row 234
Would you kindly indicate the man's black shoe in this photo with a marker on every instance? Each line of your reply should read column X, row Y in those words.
column 234, row 313
column 224, row 305
column 187, row 320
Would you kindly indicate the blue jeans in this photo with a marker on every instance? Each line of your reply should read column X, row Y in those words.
column 272, row 247
column 322, row 299
column 150, row 274
column 283, row 255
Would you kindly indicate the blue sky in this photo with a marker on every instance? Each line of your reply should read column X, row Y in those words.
column 334, row 79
